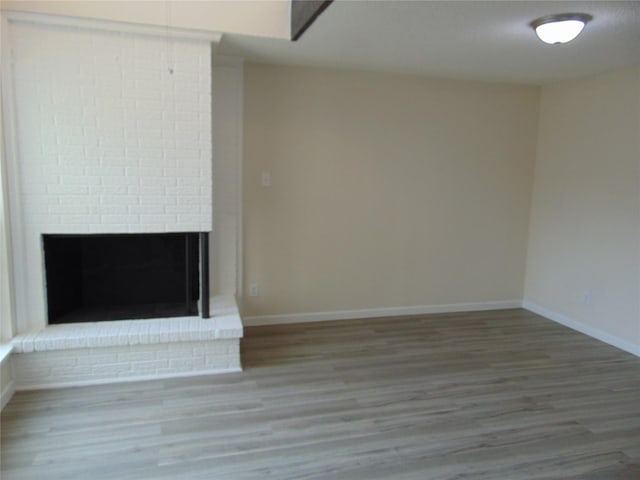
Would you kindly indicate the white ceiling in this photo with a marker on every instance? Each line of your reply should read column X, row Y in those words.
column 479, row 40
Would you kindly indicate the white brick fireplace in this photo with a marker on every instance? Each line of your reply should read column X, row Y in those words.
column 112, row 135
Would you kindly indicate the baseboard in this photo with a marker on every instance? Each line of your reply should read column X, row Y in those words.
column 582, row 328
column 137, row 378
column 261, row 320
column 7, row 393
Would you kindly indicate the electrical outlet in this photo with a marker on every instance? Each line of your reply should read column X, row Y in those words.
column 587, row 297
column 253, row 289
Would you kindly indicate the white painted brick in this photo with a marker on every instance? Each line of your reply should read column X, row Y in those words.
column 54, row 189
column 40, row 208
column 49, row 170
column 181, row 209
column 148, row 228
column 234, row 362
column 43, row 219
column 151, row 162
column 110, row 209
column 112, row 228
column 70, row 209
column 27, row 368
column 71, row 374
column 136, row 356
column 148, row 105
column 220, row 361
column 79, row 219
column 158, row 181
column 154, row 140
column 185, row 218
column 66, row 152
column 79, row 180
column 186, row 143
column 170, row 371
column 184, row 191
column 78, row 140
column 184, row 173
column 71, row 199
column 105, row 171
column 157, row 200
column 102, row 148
column 187, row 137
column 186, row 154
column 193, row 181
column 112, row 369
column 119, row 199
column 167, row 219
column 108, row 190
column 137, row 152
column 185, row 363
column 64, row 362
column 149, row 209
column 157, row 190
column 69, row 228
column 118, row 161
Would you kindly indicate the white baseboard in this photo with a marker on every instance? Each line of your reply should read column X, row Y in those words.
column 7, row 393
column 254, row 321
column 137, row 378
column 582, row 328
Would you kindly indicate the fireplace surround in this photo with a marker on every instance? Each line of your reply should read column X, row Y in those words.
column 128, row 152
column 111, row 136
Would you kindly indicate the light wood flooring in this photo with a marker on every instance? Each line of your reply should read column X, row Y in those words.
column 487, row 395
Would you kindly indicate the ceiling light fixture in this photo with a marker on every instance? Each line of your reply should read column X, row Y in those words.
column 560, row 28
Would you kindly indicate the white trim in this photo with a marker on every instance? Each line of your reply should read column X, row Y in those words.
column 7, row 393
column 113, row 26
column 7, row 312
column 10, row 387
column 254, row 321
column 5, row 351
column 138, row 378
column 12, row 183
column 582, row 328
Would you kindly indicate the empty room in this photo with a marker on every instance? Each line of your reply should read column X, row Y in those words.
column 246, row 239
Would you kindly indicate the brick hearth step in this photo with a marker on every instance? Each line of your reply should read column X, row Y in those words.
column 127, row 350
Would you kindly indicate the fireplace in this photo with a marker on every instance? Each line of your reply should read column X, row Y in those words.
column 110, row 151
column 92, row 278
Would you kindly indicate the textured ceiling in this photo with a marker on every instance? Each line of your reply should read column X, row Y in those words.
column 480, row 40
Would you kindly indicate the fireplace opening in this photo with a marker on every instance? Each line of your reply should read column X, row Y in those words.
column 92, row 278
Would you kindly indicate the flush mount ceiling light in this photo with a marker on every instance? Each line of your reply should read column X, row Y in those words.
column 561, row 28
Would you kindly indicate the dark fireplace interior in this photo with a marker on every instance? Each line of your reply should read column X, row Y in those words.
column 92, row 278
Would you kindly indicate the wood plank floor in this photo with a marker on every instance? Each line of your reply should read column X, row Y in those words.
column 487, row 395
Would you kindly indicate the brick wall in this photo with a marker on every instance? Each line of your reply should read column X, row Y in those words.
column 113, row 136
column 114, row 131
column 88, row 366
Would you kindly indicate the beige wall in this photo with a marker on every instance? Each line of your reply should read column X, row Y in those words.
column 387, row 190
column 268, row 18
column 584, row 251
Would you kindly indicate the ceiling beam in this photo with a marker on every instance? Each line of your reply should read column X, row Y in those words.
column 304, row 13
